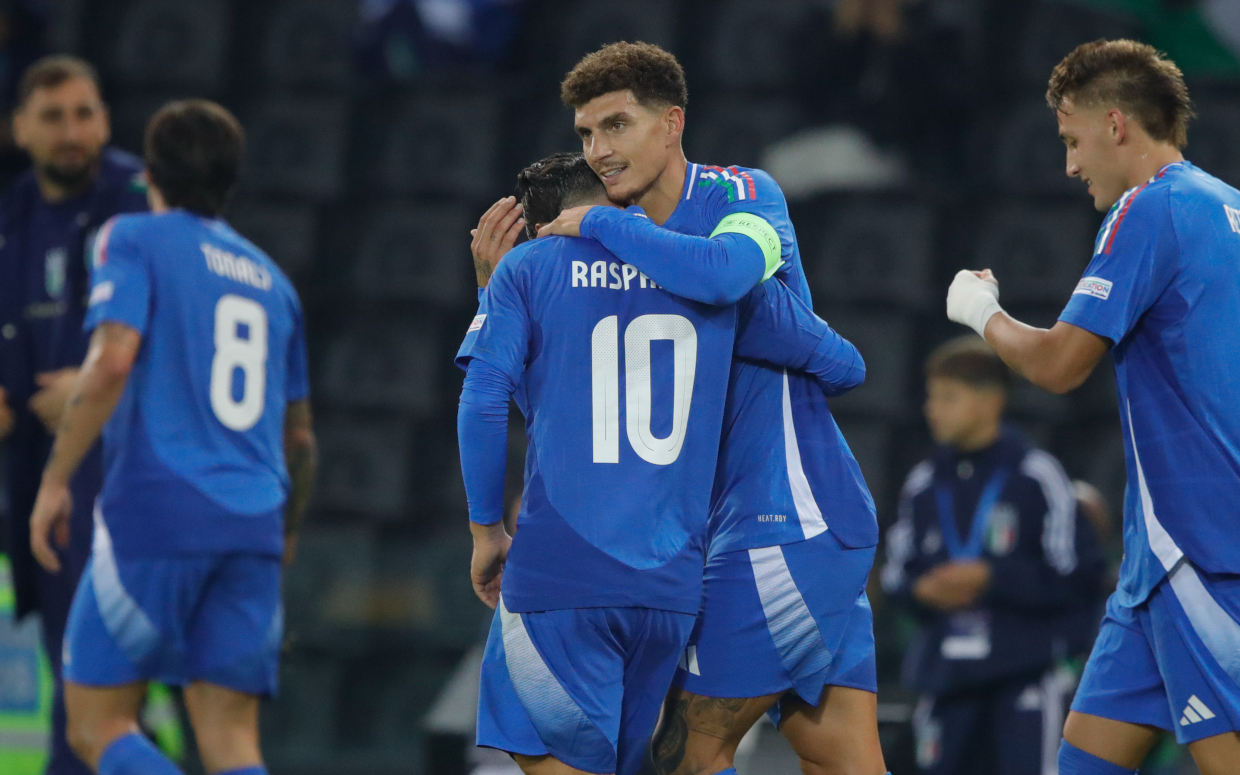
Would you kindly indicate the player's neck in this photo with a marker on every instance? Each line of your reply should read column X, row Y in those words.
column 55, row 193
column 660, row 200
column 1148, row 158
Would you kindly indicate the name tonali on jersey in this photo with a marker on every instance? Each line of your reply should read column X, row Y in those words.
column 617, row 276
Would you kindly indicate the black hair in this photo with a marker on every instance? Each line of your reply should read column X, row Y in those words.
column 556, row 183
column 193, row 155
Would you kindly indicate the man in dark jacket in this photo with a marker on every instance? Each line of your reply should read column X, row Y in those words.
column 990, row 554
column 47, row 220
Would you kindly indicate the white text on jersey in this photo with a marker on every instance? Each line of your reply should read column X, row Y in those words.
column 1233, row 216
column 608, row 274
column 239, row 268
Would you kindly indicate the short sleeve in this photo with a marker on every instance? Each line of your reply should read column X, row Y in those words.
column 297, row 369
column 120, row 290
column 1135, row 258
column 750, row 202
column 500, row 332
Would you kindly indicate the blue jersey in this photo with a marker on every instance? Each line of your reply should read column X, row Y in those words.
column 1164, row 288
column 622, row 386
column 194, row 452
column 785, row 472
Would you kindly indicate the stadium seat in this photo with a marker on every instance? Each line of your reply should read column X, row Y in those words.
column 870, row 442
column 174, row 43
column 1029, row 156
column 391, row 364
column 884, row 342
column 1055, row 27
column 734, row 130
column 309, row 43
column 593, row 24
column 442, row 145
column 286, row 232
column 1037, row 252
column 363, row 466
column 876, row 252
column 751, row 40
column 416, row 254
column 297, row 147
column 1214, row 139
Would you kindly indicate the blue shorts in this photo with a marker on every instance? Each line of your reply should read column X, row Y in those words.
column 213, row 618
column 1172, row 662
column 584, row 685
column 792, row 617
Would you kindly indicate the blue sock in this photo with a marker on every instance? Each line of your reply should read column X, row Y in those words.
column 133, row 754
column 258, row 770
column 1074, row 761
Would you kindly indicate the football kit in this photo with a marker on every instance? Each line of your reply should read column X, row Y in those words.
column 785, row 474
column 623, row 388
column 1164, row 288
column 183, row 583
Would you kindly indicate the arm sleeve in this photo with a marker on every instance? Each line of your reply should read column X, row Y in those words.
column 297, row 374
column 493, row 356
column 905, row 565
column 120, row 289
column 718, row 269
column 776, row 326
column 482, row 435
column 1067, row 567
column 1136, row 256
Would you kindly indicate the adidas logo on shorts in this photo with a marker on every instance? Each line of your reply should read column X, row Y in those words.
column 1195, row 711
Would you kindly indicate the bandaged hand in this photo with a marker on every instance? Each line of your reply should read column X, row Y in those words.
column 972, row 299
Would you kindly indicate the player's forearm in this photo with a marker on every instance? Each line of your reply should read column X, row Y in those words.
column 94, row 397
column 482, row 435
column 302, row 458
column 712, row 270
column 1037, row 354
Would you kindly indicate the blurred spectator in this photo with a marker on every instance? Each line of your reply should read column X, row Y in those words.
column 1002, row 572
column 23, row 39
column 403, row 39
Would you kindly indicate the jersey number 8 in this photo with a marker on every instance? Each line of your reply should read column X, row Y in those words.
column 234, row 352
column 605, row 386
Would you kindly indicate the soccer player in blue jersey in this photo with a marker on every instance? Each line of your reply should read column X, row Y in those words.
column 785, row 625
column 1162, row 294
column 622, row 386
column 196, row 376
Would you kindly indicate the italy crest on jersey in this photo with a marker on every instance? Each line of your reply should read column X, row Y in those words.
column 1003, row 529
column 54, row 266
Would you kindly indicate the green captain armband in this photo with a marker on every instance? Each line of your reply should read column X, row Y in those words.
column 760, row 232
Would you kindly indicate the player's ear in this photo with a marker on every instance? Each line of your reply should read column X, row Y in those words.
column 674, row 119
column 1117, row 124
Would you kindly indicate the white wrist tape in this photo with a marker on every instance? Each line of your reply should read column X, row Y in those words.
column 972, row 301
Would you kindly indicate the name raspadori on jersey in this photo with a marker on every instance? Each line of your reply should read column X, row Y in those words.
column 608, row 274
column 239, row 268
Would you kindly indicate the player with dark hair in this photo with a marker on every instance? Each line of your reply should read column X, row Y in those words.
column 1003, row 574
column 196, row 376
column 604, row 576
column 785, row 625
column 47, row 221
column 1162, row 293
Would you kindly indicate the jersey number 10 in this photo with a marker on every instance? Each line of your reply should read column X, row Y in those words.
column 605, row 386
column 233, row 352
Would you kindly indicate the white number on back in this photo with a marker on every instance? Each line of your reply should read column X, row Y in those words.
column 233, row 352
column 605, row 385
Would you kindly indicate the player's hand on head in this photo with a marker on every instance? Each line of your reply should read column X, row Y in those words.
column 567, row 223
column 50, row 521
column 54, row 389
column 486, row 568
column 498, row 230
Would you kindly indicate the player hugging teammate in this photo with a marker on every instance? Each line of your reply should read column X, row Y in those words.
column 596, row 613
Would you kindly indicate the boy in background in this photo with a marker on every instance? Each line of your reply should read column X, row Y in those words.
column 992, row 557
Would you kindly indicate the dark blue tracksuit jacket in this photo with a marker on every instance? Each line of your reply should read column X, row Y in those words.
column 1047, row 566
